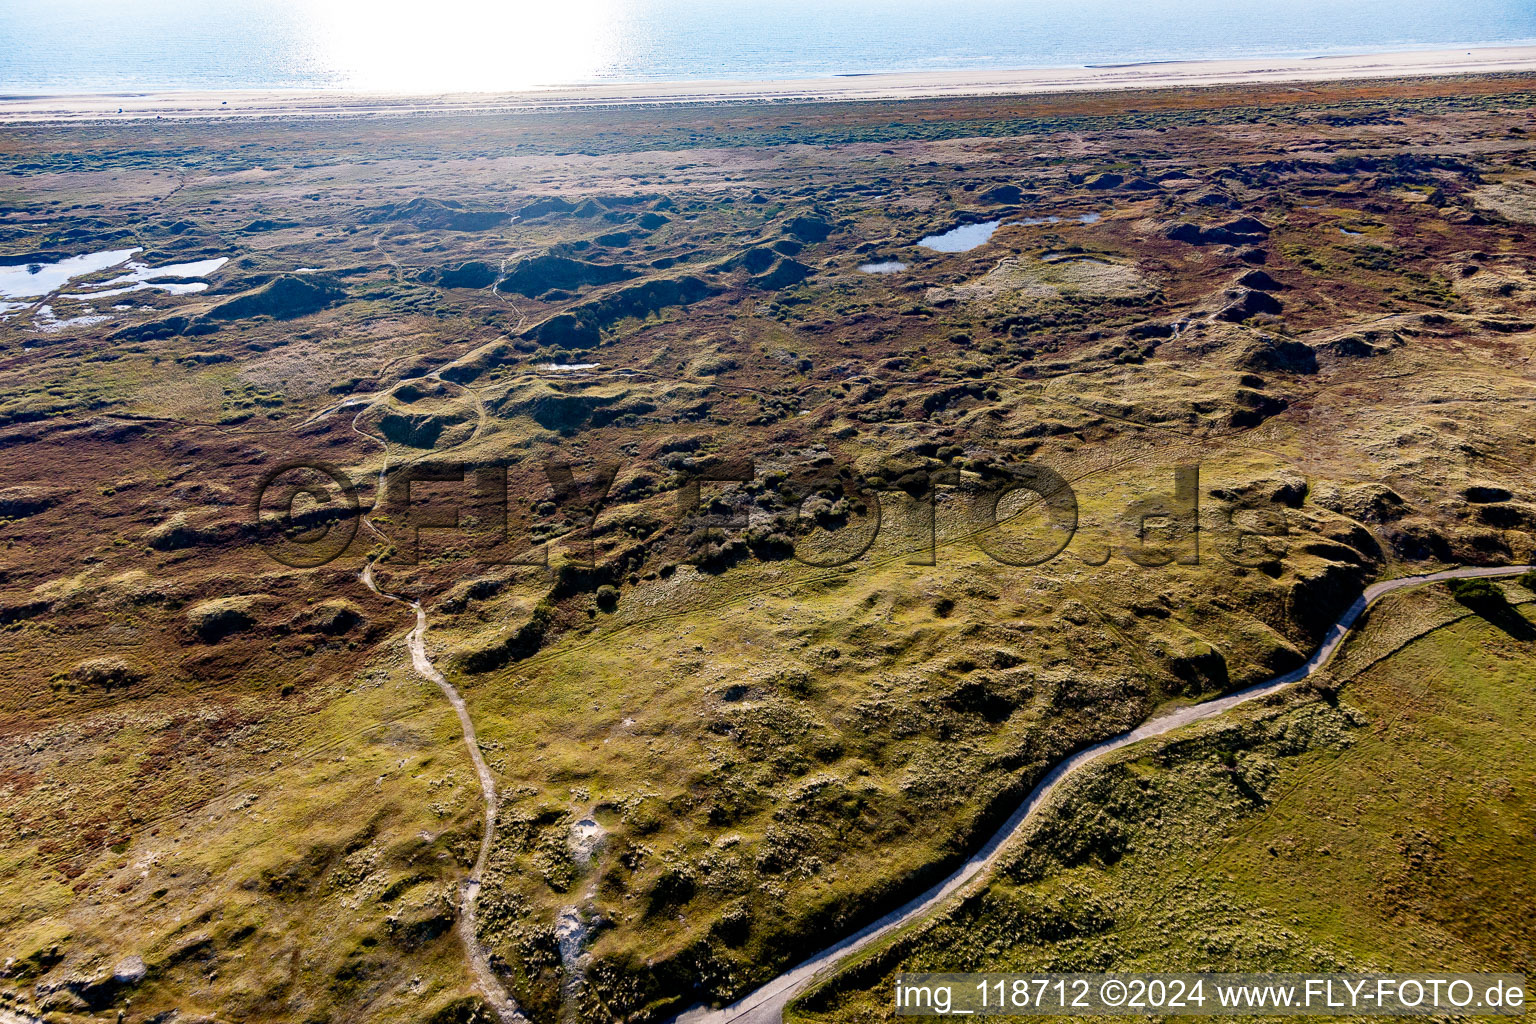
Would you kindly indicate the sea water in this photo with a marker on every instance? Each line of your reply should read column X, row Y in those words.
column 66, row 46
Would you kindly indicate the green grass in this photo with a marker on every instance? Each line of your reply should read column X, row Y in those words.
column 1386, row 830
column 776, row 752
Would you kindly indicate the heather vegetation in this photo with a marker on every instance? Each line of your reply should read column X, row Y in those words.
column 769, row 584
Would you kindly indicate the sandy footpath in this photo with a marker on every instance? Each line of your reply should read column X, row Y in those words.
column 911, row 85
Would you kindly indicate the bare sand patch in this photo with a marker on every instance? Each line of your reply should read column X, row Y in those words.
column 1514, row 201
column 1047, row 279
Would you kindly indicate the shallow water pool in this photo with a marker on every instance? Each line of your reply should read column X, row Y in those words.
column 966, row 237
column 961, row 239
column 35, row 280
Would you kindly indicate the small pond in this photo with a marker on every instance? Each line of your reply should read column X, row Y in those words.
column 36, row 280
column 966, row 237
column 961, row 239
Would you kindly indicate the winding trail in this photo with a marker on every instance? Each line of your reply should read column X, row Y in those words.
column 486, row 980
column 490, row 985
column 766, row 1005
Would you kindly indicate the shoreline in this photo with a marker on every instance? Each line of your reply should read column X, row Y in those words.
column 209, row 103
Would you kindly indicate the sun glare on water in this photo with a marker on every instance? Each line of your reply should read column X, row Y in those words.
column 468, row 45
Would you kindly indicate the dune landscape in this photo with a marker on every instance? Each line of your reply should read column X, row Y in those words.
column 573, row 557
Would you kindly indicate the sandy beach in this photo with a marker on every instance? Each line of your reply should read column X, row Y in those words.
column 912, row 85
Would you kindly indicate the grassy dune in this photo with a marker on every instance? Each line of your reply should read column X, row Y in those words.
column 712, row 755
column 1378, row 822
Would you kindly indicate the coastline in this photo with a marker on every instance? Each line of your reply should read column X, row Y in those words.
column 892, row 86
